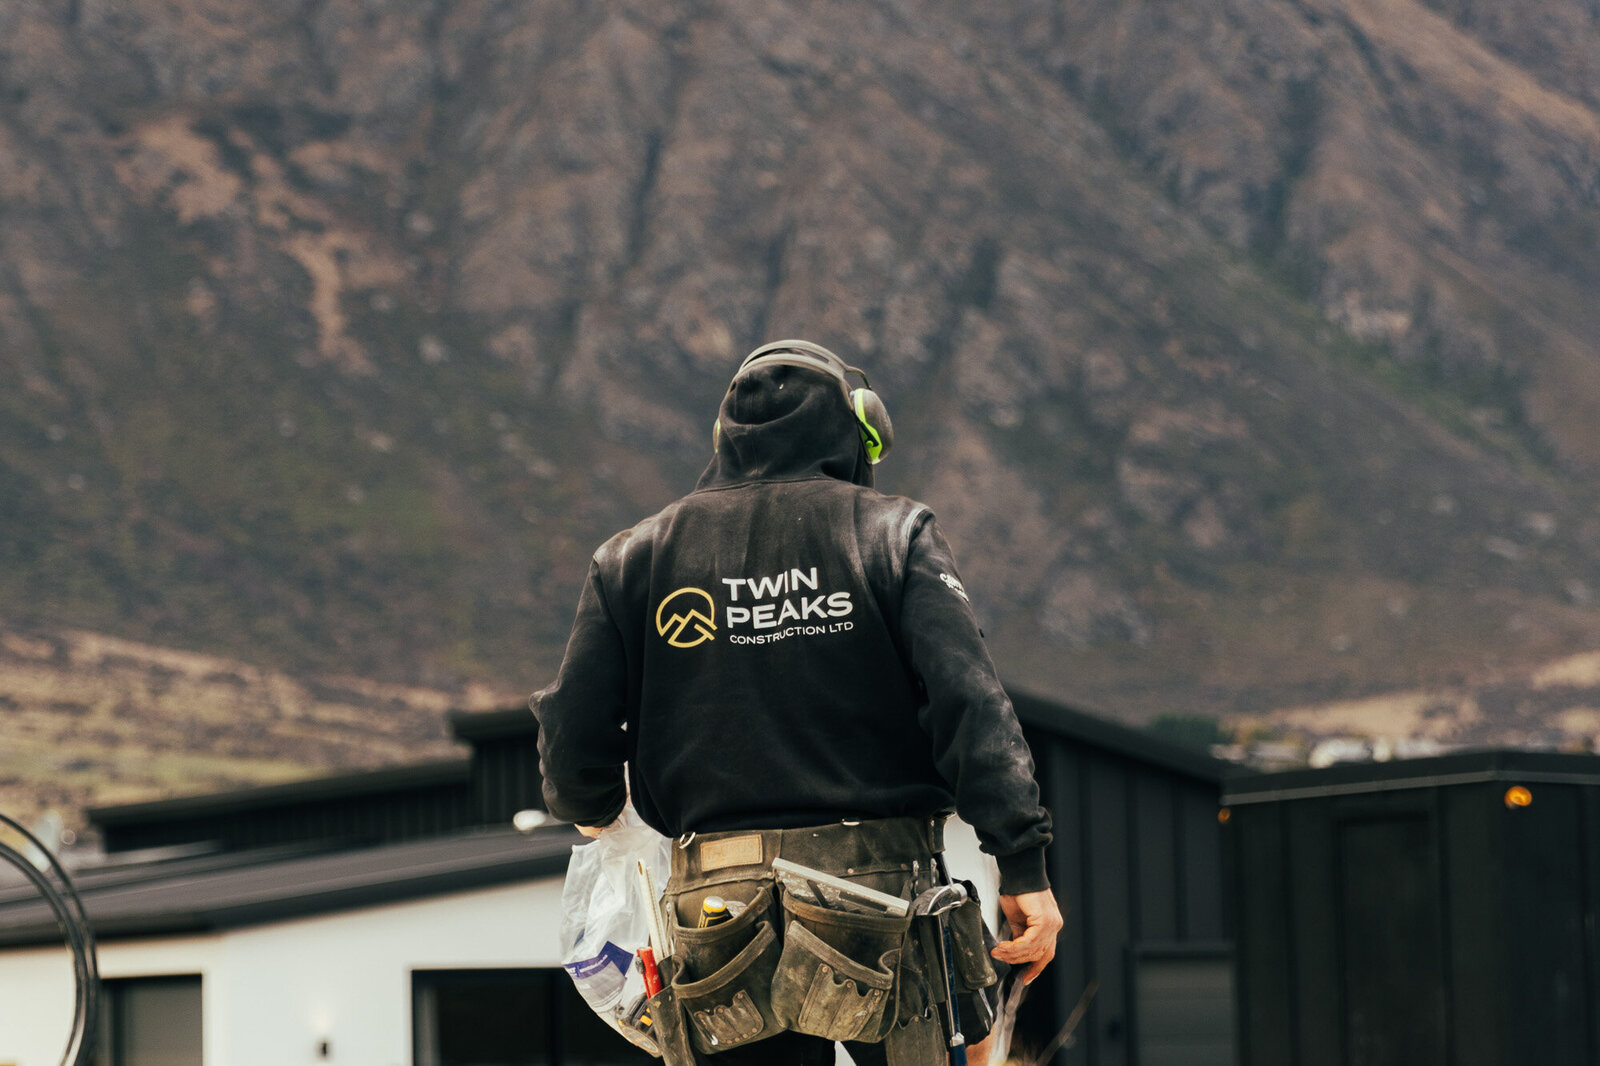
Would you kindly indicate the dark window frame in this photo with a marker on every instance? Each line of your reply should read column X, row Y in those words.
column 112, row 1039
column 572, row 1032
column 1141, row 954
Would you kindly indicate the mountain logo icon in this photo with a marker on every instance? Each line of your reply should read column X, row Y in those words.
column 691, row 621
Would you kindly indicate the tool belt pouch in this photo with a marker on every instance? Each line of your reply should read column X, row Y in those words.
column 640, row 1033
column 724, row 988
column 916, row 1036
column 668, row 1032
column 836, row 976
column 971, row 955
column 916, row 1040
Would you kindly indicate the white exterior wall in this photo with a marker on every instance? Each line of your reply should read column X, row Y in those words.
column 271, row 993
column 35, row 1005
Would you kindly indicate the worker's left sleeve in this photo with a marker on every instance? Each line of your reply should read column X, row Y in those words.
column 582, row 744
column 978, row 745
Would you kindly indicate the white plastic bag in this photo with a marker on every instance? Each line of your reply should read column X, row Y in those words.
column 603, row 916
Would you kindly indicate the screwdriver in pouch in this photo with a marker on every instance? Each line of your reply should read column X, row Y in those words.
column 713, row 911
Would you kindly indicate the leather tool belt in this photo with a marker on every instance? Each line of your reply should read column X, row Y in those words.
column 784, row 963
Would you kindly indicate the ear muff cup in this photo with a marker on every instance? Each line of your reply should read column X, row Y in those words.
column 877, row 431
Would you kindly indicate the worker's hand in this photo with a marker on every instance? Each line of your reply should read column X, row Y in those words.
column 1035, row 920
column 594, row 831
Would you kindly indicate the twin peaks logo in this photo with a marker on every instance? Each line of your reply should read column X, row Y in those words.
column 692, row 618
column 758, row 610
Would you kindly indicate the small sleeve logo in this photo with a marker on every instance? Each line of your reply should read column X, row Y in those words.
column 954, row 584
column 692, row 618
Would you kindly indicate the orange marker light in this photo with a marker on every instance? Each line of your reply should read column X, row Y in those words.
column 1223, row 815
column 1517, row 796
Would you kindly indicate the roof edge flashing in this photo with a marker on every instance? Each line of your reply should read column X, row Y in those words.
column 1457, row 768
column 1120, row 739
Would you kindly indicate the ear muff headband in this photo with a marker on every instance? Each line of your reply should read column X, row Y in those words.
column 872, row 417
column 799, row 353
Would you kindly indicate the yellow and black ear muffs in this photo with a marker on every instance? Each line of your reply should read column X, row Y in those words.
column 872, row 417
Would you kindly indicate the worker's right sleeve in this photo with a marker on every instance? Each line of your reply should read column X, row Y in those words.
column 582, row 743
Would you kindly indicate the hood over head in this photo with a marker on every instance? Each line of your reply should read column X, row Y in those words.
column 783, row 421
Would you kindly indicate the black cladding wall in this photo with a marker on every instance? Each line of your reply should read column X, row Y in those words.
column 1410, row 914
column 499, row 778
column 1138, row 866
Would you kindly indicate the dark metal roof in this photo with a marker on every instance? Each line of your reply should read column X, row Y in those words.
column 1457, row 768
column 213, row 892
column 1097, row 731
column 492, row 725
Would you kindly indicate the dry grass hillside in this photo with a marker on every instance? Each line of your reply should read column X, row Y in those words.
column 93, row 720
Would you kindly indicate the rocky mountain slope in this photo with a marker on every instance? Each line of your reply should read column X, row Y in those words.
column 1247, row 350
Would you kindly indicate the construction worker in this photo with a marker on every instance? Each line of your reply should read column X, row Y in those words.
column 784, row 664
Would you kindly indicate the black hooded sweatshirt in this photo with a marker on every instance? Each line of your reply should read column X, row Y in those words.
column 784, row 647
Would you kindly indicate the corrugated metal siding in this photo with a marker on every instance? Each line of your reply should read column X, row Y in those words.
column 361, row 809
column 1137, row 860
column 387, row 818
column 1412, row 917
column 506, row 777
